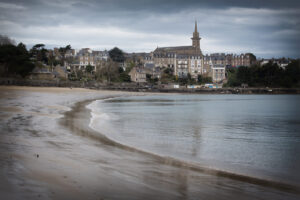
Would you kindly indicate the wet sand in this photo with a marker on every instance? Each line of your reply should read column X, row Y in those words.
column 48, row 151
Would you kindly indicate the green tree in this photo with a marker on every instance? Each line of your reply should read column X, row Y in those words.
column 63, row 51
column 268, row 75
column 117, row 55
column 199, row 79
column 292, row 72
column 167, row 75
column 232, row 80
column 204, row 79
column 124, row 77
column 89, row 68
column 39, row 53
column 15, row 60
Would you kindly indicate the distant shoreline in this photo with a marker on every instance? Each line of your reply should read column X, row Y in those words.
column 135, row 87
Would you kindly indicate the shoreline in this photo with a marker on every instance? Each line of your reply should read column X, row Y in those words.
column 145, row 87
column 82, row 128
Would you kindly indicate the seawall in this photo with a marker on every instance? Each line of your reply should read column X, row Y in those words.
column 135, row 87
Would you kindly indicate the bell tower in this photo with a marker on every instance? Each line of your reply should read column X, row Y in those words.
column 196, row 39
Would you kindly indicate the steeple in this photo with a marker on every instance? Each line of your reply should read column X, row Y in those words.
column 196, row 39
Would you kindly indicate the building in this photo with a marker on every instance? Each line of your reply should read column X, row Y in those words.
column 138, row 75
column 154, row 72
column 100, row 55
column 215, row 64
column 183, row 60
column 246, row 59
column 71, row 53
column 86, row 57
column 41, row 74
column 233, row 60
column 218, row 73
column 281, row 62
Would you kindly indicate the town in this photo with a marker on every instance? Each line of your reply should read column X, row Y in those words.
column 174, row 67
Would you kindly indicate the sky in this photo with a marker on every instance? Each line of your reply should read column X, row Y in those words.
column 266, row 28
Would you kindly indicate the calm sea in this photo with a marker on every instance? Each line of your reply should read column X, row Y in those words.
column 253, row 135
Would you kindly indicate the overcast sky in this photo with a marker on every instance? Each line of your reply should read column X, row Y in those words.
column 267, row 28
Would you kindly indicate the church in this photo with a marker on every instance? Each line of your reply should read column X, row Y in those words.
column 183, row 60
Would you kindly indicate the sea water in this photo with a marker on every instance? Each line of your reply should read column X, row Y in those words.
column 253, row 135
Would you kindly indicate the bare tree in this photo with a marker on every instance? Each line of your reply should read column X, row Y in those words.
column 107, row 70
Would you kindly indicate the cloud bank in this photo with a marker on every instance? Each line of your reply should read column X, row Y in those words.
column 266, row 28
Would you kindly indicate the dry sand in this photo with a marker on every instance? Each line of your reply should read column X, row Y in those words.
column 49, row 152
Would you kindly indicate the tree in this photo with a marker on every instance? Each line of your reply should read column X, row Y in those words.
column 207, row 79
column 199, row 79
column 108, row 71
column 268, row 75
column 52, row 61
column 124, row 77
column 15, row 60
column 38, row 53
column 117, row 55
column 232, row 80
column 204, row 79
column 167, row 75
column 63, row 51
column 89, row 68
column 292, row 74
column 189, row 77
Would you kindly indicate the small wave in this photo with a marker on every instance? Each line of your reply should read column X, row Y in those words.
column 98, row 117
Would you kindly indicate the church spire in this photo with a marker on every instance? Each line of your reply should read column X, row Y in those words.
column 196, row 38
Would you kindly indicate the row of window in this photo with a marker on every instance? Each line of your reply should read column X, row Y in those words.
column 173, row 56
column 86, row 63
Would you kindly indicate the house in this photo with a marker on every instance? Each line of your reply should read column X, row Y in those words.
column 154, row 72
column 218, row 73
column 60, row 72
column 41, row 74
column 138, row 74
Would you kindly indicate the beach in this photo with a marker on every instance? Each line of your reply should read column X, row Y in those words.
column 49, row 151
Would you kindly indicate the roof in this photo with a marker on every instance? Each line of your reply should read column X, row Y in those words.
column 218, row 66
column 175, row 48
column 149, row 65
column 37, row 70
column 184, row 56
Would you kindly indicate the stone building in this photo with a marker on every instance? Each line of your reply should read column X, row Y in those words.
column 138, row 74
column 215, row 64
column 86, row 57
column 218, row 73
column 182, row 59
column 154, row 72
column 233, row 60
column 246, row 59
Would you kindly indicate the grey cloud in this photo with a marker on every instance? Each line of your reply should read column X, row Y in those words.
column 269, row 26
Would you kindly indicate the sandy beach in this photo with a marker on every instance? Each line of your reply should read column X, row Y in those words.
column 48, row 151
